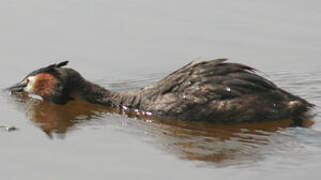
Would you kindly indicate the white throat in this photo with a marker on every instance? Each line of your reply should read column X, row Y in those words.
column 29, row 87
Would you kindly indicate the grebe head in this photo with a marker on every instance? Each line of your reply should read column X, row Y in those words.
column 48, row 82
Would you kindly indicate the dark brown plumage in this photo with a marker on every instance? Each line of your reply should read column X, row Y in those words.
column 212, row 91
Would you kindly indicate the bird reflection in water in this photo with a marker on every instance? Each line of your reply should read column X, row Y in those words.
column 218, row 143
column 58, row 119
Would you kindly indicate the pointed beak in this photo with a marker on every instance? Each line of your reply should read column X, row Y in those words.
column 18, row 87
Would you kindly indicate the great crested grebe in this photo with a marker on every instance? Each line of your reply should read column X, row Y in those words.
column 213, row 91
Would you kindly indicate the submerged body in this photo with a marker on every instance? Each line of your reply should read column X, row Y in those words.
column 212, row 91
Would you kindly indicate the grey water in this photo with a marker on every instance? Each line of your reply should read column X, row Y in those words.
column 127, row 44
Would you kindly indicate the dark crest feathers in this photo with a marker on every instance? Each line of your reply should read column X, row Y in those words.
column 64, row 63
column 50, row 68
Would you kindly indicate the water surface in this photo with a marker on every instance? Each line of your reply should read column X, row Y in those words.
column 128, row 44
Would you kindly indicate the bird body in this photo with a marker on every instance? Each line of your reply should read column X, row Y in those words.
column 213, row 91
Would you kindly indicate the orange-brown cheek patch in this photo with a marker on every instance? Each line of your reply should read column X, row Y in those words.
column 44, row 84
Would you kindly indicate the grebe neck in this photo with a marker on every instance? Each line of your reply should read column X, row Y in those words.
column 96, row 94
